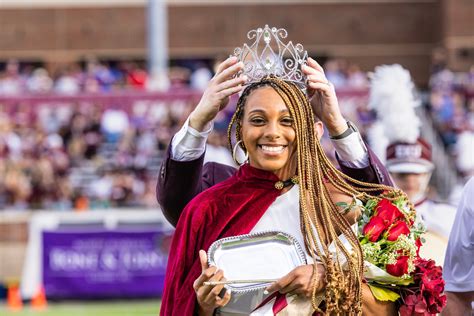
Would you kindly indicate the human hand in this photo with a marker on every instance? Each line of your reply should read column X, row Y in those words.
column 209, row 297
column 216, row 96
column 323, row 98
column 300, row 281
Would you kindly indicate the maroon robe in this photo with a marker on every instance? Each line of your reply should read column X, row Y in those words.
column 232, row 207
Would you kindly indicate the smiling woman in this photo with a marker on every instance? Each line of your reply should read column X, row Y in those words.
column 274, row 124
column 268, row 133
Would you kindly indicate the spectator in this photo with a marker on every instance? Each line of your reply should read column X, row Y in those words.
column 136, row 76
column 67, row 82
column 334, row 73
column 114, row 123
column 356, row 78
column 11, row 82
column 200, row 77
column 216, row 149
column 39, row 82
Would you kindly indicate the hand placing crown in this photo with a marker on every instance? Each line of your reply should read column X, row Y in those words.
column 266, row 55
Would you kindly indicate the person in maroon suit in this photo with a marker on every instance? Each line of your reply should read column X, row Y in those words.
column 183, row 175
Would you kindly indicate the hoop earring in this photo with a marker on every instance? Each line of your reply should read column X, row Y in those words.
column 234, row 154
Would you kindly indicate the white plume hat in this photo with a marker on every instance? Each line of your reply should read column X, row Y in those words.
column 393, row 97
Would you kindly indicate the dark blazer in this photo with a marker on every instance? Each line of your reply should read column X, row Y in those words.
column 180, row 181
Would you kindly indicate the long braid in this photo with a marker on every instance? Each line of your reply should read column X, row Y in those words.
column 321, row 220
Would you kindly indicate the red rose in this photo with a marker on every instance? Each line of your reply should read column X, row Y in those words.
column 374, row 228
column 399, row 268
column 433, row 282
column 387, row 211
column 423, row 265
column 397, row 229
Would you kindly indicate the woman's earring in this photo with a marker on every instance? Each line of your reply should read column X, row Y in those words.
column 234, row 154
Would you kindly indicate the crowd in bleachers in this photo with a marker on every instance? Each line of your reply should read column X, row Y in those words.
column 452, row 109
column 90, row 156
column 95, row 77
column 84, row 156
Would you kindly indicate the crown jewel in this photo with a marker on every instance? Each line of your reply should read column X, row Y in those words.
column 268, row 55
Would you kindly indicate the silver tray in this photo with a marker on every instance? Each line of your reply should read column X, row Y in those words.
column 264, row 255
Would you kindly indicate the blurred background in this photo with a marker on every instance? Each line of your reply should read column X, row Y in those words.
column 91, row 93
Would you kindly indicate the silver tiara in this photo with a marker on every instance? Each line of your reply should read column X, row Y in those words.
column 268, row 55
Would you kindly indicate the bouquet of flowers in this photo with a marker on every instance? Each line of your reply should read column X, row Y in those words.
column 390, row 239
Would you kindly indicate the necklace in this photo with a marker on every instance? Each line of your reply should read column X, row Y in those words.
column 280, row 185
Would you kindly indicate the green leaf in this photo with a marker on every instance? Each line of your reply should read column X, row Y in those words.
column 402, row 282
column 400, row 202
column 405, row 281
column 370, row 204
column 382, row 294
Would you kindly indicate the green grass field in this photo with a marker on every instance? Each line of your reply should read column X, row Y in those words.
column 87, row 308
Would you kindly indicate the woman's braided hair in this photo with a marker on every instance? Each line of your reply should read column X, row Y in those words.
column 319, row 214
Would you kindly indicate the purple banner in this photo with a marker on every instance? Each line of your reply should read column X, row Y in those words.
column 104, row 264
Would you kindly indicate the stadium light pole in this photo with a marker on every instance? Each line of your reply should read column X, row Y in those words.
column 158, row 45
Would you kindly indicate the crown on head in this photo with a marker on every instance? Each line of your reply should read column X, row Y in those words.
column 268, row 55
